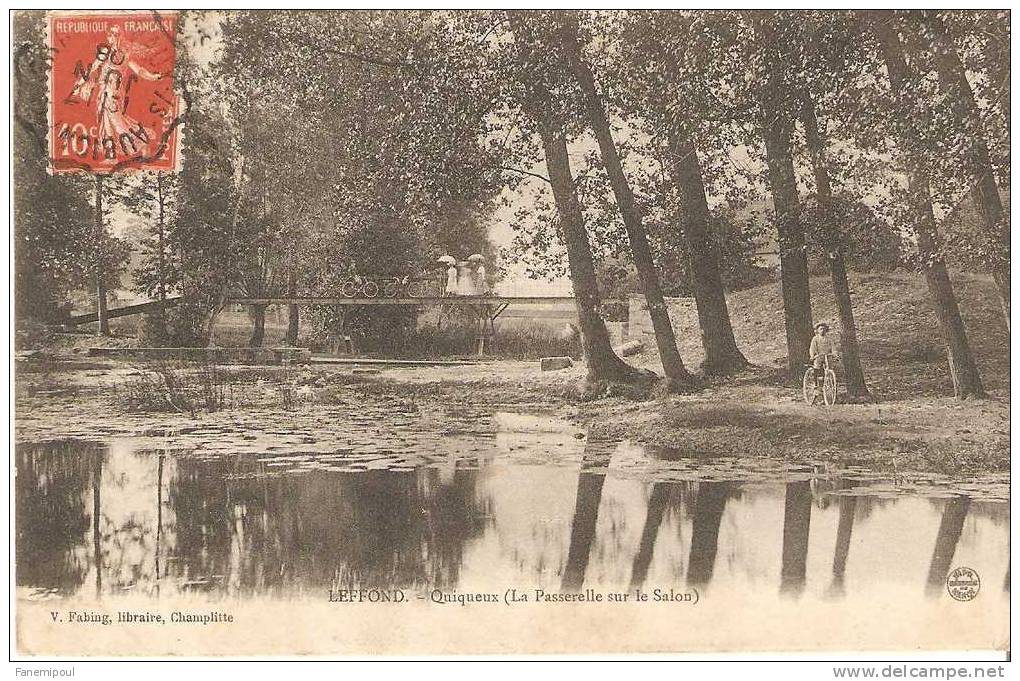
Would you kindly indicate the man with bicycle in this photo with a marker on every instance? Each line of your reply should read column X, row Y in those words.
column 820, row 351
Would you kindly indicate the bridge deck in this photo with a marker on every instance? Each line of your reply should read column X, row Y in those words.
column 115, row 312
column 497, row 301
column 424, row 300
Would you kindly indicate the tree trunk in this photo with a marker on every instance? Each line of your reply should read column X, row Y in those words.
column 721, row 353
column 677, row 376
column 853, row 374
column 777, row 125
column 962, row 368
column 293, row 319
column 792, row 256
column 100, row 272
column 161, row 255
column 258, row 330
column 602, row 362
column 954, row 84
column 966, row 379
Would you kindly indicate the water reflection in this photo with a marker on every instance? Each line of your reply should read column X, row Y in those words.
column 708, row 511
column 796, row 533
column 113, row 519
column 658, row 500
column 953, row 515
column 586, row 514
column 844, row 531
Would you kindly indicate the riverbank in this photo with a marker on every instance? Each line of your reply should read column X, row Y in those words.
column 752, row 415
column 913, row 426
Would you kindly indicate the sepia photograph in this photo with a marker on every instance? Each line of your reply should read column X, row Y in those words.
column 429, row 333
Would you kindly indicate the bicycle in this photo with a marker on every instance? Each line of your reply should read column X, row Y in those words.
column 390, row 287
column 352, row 287
column 405, row 287
column 829, row 385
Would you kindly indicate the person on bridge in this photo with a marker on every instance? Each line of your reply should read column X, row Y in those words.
column 451, row 281
column 481, row 286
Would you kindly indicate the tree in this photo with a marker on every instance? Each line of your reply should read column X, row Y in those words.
column 392, row 131
column 928, row 27
column 966, row 379
column 664, row 78
column 55, row 245
column 204, row 241
column 151, row 199
column 778, row 107
column 533, row 72
column 677, row 376
column 831, row 61
column 853, row 374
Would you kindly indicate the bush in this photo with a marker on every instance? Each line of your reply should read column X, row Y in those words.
column 177, row 388
column 179, row 326
column 30, row 334
column 461, row 339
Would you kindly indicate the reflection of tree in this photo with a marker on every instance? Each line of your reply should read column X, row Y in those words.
column 97, row 537
column 126, row 514
column 708, row 510
column 159, row 517
column 953, row 515
column 51, row 519
column 322, row 529
column 995, row 511
column 198, row 496
column 847, row 509
column 796, row 526
column 586, row 515
column 454, row 518
column 657, row 502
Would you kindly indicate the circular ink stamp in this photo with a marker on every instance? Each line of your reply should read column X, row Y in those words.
column 963, row 584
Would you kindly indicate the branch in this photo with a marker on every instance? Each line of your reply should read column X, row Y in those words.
column 525, row 172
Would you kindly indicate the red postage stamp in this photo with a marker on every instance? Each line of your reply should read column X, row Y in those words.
column 112, row 103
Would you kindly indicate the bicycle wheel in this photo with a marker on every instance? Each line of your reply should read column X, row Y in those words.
column 809, row 385
column 829, row 388
column 370, row 289
column 349, row 289
column 416, row 289
column 390, row 289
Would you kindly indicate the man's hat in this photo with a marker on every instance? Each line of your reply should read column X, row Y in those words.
column 820, row 325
